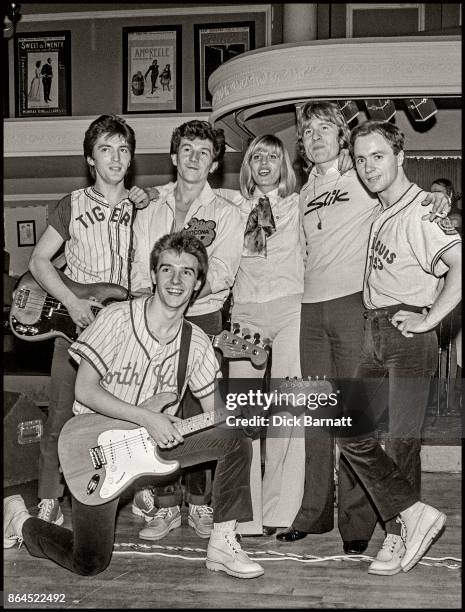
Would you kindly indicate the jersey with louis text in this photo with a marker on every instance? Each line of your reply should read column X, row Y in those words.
column 404, row 262
column 337, row 212
column 134, row 365
column 96, row 235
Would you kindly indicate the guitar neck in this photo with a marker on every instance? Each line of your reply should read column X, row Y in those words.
column 201, row 421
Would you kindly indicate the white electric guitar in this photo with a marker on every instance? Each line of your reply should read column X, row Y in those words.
column 101, row 456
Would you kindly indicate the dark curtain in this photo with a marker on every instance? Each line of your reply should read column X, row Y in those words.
column 423, row 171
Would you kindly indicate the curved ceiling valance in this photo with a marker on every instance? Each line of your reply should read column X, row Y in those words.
column 268, row 79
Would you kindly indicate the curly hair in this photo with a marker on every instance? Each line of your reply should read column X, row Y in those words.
column 203, row 130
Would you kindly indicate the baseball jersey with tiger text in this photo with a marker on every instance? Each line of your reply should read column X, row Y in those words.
column 96, row 235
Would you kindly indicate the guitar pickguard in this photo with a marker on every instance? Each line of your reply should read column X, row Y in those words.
column 129, row 454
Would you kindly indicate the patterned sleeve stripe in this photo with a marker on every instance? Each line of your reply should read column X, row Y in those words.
column 86, row 358
column 440, row 253
column 204, row 391
column 90, row 354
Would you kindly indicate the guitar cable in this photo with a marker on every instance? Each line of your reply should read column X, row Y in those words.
column 175, row 552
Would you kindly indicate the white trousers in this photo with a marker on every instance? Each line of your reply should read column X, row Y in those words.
column 276, row 499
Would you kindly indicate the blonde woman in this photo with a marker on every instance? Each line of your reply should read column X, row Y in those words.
column 267, row 296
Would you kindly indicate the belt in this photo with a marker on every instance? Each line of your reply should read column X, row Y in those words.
column 388, row 311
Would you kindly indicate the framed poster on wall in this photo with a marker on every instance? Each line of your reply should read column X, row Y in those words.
column 26, row 232
column 152, row 69
column 43, row 74
column 214, row 44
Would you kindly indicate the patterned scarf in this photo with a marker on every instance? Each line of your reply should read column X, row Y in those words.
column 260, row 225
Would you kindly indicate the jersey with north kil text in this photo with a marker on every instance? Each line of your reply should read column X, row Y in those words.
column 96, row 235
column 404, row 262
column 133, row 364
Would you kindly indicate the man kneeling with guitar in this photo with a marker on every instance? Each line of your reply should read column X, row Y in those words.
column 133, row 352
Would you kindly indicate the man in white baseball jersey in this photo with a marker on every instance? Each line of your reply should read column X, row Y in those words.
column 94, row 224
column 133, row 351
column 190, row 205
column 405, row 300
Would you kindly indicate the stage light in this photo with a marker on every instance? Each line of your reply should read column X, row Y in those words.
column 349, row 109
column 421, row 109
column 380, row 109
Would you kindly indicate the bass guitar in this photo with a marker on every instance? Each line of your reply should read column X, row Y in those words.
column 35, row 315
column 101, row 456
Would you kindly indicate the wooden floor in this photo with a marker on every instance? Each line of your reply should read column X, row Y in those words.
column 154, row 581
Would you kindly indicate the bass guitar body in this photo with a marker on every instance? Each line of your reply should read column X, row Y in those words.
column 35, row 315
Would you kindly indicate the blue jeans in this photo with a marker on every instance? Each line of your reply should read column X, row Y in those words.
column 405, row 367
column 60, row 410
column 87, row 549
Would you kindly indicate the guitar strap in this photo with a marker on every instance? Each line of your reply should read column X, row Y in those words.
column 186, row 334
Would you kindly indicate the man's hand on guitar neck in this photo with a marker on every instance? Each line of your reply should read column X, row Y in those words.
column 160, row 426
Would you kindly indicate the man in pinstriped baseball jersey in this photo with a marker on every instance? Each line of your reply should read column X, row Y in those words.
column 94, row 224
column 127, row 356
column 405, row 300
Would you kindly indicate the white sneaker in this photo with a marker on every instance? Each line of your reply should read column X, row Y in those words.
column 201, row 520
column 50, row 511
column 420, row 525
column 387, row 561
column 14, row 515
column 161, row 524
column 224, row 554
column 143, row 504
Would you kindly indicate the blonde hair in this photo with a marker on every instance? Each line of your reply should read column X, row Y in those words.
column 287, row 181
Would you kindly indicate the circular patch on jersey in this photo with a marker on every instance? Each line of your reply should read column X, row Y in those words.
column 446, row 226
column 202, row 230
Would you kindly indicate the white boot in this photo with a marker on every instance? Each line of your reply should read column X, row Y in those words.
column 387, row 561
column 14, row 515
column 421, row 523
column 224, row 553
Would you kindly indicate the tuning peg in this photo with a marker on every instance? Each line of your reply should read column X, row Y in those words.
column 256, row 338
column 245, row 333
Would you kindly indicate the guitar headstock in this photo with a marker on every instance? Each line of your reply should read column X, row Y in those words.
column 234, row 346
column 317, row 384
